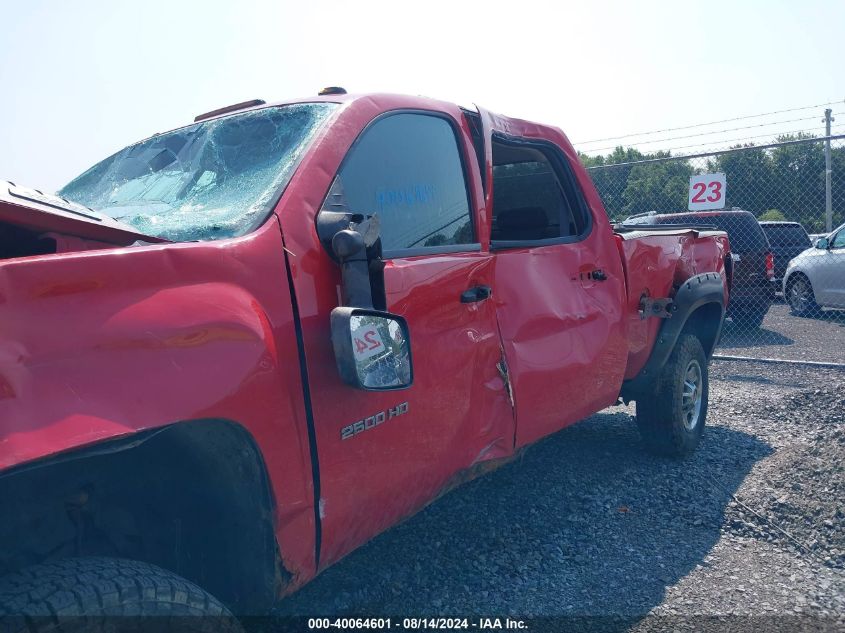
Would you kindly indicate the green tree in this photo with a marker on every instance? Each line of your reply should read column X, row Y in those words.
column 789, row 178
column 772, row 215
column 612, row 177
column 748, row 177
column 798, row 180
column 837, row 179
column 661, row 186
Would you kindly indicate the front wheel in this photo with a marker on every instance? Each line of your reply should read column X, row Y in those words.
column 79, row 594
column 671, row 419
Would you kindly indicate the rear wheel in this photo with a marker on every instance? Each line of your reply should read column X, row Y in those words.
column 671, row 419
column 79, row 594
column 800, row 296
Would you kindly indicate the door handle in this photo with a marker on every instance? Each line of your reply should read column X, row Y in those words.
column 599, row 275
column 477, row 293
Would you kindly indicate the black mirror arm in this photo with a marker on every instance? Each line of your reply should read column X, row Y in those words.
column 350, row 248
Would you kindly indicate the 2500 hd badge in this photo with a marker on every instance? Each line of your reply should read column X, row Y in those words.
column 373, row 421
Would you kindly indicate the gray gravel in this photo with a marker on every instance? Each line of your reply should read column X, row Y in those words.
column 784, row 336
column 586, row 523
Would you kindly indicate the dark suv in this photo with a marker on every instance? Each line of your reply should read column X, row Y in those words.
column 788, row 240
column 753, row 288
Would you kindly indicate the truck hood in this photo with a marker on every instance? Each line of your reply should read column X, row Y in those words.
column 48, row 213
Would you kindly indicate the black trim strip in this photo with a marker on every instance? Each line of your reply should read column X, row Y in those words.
column 498, row 245
column 309, row 412
column 431, row 250
column 473, row 119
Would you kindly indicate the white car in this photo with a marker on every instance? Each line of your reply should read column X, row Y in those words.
column 816, row 277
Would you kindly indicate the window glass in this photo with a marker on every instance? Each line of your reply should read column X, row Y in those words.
column 786, row 235
column 839, row 240
column 407, row 169
column 529, row 201
column 210, row 180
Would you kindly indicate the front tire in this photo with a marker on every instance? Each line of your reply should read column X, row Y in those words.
column 671, row 418
column 800, row 296
column 78, row 594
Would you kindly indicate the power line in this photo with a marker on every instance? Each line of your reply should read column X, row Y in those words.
column 726, row 142
column 711, row 153
column 733, row 129
column 688, row 127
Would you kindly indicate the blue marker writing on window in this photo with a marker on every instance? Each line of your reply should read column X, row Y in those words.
column 418, row 193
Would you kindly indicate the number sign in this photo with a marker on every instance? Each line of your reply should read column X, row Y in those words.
column 707, row 191
column 366, row 342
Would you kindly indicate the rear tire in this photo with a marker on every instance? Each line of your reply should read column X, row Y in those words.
column 800, row 296
column 79, row 594
column 671, row 418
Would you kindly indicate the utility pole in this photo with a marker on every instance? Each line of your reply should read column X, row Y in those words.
column 828, row 199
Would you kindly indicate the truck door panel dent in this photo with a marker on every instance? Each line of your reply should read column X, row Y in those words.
column 565, row 348
column 561, row 327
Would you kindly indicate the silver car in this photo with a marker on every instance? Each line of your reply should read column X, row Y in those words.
column 816, row 278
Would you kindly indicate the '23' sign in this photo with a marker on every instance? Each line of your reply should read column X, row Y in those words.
column 706, row 191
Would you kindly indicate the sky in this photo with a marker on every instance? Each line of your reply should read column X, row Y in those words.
column 82, row 79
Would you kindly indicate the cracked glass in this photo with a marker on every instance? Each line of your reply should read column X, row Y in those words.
column 210, row 180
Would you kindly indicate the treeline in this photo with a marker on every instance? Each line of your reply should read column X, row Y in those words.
column 789, row 178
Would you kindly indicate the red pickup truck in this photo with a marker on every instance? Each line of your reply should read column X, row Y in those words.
column 233, row 352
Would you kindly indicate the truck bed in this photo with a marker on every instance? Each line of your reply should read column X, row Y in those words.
column 656, row 262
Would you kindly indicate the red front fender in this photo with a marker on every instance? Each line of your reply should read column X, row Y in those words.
column 102, row 344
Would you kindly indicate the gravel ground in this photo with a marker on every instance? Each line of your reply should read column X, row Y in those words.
column 586, row 523
column 784, row 336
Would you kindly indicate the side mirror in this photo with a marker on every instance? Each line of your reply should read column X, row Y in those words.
column 822, row 243
column 372, row 349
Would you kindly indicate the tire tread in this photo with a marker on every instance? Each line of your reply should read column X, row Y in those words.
column 657, row 415
column 33, row 600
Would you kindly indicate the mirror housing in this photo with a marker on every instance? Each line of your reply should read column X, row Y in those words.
column 372, row 349
column 823, row 243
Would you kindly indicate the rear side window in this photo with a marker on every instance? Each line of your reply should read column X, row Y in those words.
column 534, row 198
column 407, row 169
column 744, row 232
column 786, row 235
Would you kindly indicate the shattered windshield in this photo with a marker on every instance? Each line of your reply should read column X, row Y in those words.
column 210, row 180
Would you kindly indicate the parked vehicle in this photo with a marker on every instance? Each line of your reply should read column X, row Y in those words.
column 816, row 278
column 239, row 350
column 787, row 239
column 753, row 270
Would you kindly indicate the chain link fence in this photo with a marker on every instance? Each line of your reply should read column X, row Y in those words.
column 782, row 210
